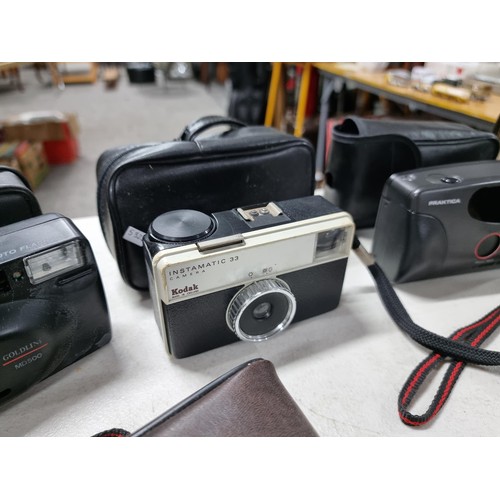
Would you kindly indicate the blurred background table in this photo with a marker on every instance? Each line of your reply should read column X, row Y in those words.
column 483, row 115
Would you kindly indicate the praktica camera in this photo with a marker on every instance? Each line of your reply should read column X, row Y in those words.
column 439, row 221
column 244, row 274
column 52, row 305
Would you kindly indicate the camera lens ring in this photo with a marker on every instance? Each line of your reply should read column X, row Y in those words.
column 273, row 291
column 487, row 247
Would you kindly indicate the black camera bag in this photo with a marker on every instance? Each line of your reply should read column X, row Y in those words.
column 17, row 201
column 365, row 152
column 242, row 166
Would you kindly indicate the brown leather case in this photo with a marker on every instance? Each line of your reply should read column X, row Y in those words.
column 248, row 401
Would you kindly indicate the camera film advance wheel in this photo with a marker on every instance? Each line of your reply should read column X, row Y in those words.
column 182, row 225
column 260, row 310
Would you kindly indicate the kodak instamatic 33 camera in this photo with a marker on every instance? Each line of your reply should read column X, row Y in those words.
column 246, row 273
column 52, row 305
column 439, row 221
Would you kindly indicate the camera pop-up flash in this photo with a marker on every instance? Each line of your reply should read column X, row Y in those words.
column 46, row 265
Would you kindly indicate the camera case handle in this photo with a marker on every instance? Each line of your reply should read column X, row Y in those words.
column 197, row 127
column 21, row 177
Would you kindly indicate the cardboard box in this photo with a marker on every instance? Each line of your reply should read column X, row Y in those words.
column 28, row 158
column 57, row 131
column 8, row 155
column 39, row 126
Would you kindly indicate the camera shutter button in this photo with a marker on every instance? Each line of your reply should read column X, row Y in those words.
column 450, row 180
column 182, row 225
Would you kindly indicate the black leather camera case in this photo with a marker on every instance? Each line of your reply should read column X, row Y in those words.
column 365, row 152
column 17, row 201
column 242, row 166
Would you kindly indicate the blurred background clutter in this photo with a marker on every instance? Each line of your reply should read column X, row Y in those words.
column 57, row 118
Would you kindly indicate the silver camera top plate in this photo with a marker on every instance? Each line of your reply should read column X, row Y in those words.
column 187, row 271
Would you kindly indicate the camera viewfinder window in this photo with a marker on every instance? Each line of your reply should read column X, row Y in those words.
column 54, row 262
column 329, row 242
column 484, row 205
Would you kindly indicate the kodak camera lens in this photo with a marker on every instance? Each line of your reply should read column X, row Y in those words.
column 261, row 309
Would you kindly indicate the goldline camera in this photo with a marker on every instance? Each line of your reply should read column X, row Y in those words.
column 52, row 304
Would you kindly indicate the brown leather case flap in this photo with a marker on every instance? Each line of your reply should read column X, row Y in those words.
column 249, row 400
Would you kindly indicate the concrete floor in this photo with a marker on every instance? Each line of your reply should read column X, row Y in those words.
column 127, row 114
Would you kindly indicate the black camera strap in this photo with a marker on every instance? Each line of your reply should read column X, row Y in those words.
column 461, row 346
column 474, row 334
